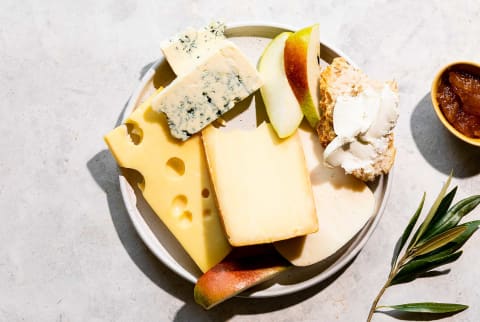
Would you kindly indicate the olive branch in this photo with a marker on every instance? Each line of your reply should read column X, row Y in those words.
column 436, row 242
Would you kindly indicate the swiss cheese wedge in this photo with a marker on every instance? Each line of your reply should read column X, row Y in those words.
column 176, row 183
column 344, row 205
column 261, row 183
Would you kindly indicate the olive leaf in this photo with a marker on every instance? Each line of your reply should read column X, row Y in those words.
column 406, row 233
column 426, row 307
column 413, row 269
column 423, row 227
column 455, row 214
column 439, row 214
column 456, row 244
column 436, row 242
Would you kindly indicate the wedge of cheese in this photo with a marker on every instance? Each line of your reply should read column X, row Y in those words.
column 344, row 205
column 261, row 183
column 176, row 183
column 188, row 49
column 194, row 100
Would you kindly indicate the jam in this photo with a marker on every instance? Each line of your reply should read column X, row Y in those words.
column 458, row 96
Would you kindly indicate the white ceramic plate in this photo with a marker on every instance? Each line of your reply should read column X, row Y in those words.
column 252, row 39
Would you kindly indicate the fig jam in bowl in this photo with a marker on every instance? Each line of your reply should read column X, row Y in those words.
column 456, row 100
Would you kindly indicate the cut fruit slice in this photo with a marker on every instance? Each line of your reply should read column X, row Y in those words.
column 237, row 273
column 281, row 104
column 302, row 67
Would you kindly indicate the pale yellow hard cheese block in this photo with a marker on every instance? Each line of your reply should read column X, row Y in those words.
column 261, row 183
column 176, row 184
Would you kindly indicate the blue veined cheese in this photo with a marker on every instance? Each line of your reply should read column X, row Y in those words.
column 188, row 49
column 193, row 101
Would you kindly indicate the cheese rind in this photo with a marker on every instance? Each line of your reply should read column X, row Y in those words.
column 176, row 185
column 261, row 183
column 344, row 205
column 193, row 101
column 188, row 49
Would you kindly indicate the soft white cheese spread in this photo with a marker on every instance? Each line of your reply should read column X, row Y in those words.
column 362, row 124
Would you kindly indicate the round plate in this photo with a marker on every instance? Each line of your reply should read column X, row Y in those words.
column 251, row 39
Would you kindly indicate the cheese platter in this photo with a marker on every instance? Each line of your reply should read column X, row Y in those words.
column 348, row 210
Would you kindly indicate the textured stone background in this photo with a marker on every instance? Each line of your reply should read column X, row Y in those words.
column 68, row 251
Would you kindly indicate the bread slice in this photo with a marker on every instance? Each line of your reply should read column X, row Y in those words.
column 342, row 79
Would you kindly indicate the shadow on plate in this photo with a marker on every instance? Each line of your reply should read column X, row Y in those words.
column 439, row 147
column 191, row 311
column 104, row 171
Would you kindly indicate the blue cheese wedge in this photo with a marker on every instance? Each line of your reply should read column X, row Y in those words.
column 193, row 101
column 188, row 49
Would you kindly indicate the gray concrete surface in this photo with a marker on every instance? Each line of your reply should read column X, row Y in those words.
column 68, row 251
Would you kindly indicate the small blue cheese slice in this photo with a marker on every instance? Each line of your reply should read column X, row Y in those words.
column 188, row 49
column 193, row 101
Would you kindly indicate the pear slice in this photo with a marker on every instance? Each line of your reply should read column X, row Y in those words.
column 302, row 67
column 242, row 269
column 281, row 104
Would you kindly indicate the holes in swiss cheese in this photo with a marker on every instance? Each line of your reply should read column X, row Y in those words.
column 205, row 193
column 185, row 218
column 134, row 178
column 207, row 213
column 178, row 204
column 135, row 132
column 175, row 166
column 178, row 210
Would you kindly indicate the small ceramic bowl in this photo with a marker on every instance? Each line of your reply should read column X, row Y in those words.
column 470, row 67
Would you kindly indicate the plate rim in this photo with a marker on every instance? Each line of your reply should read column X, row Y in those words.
column 138, row 221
